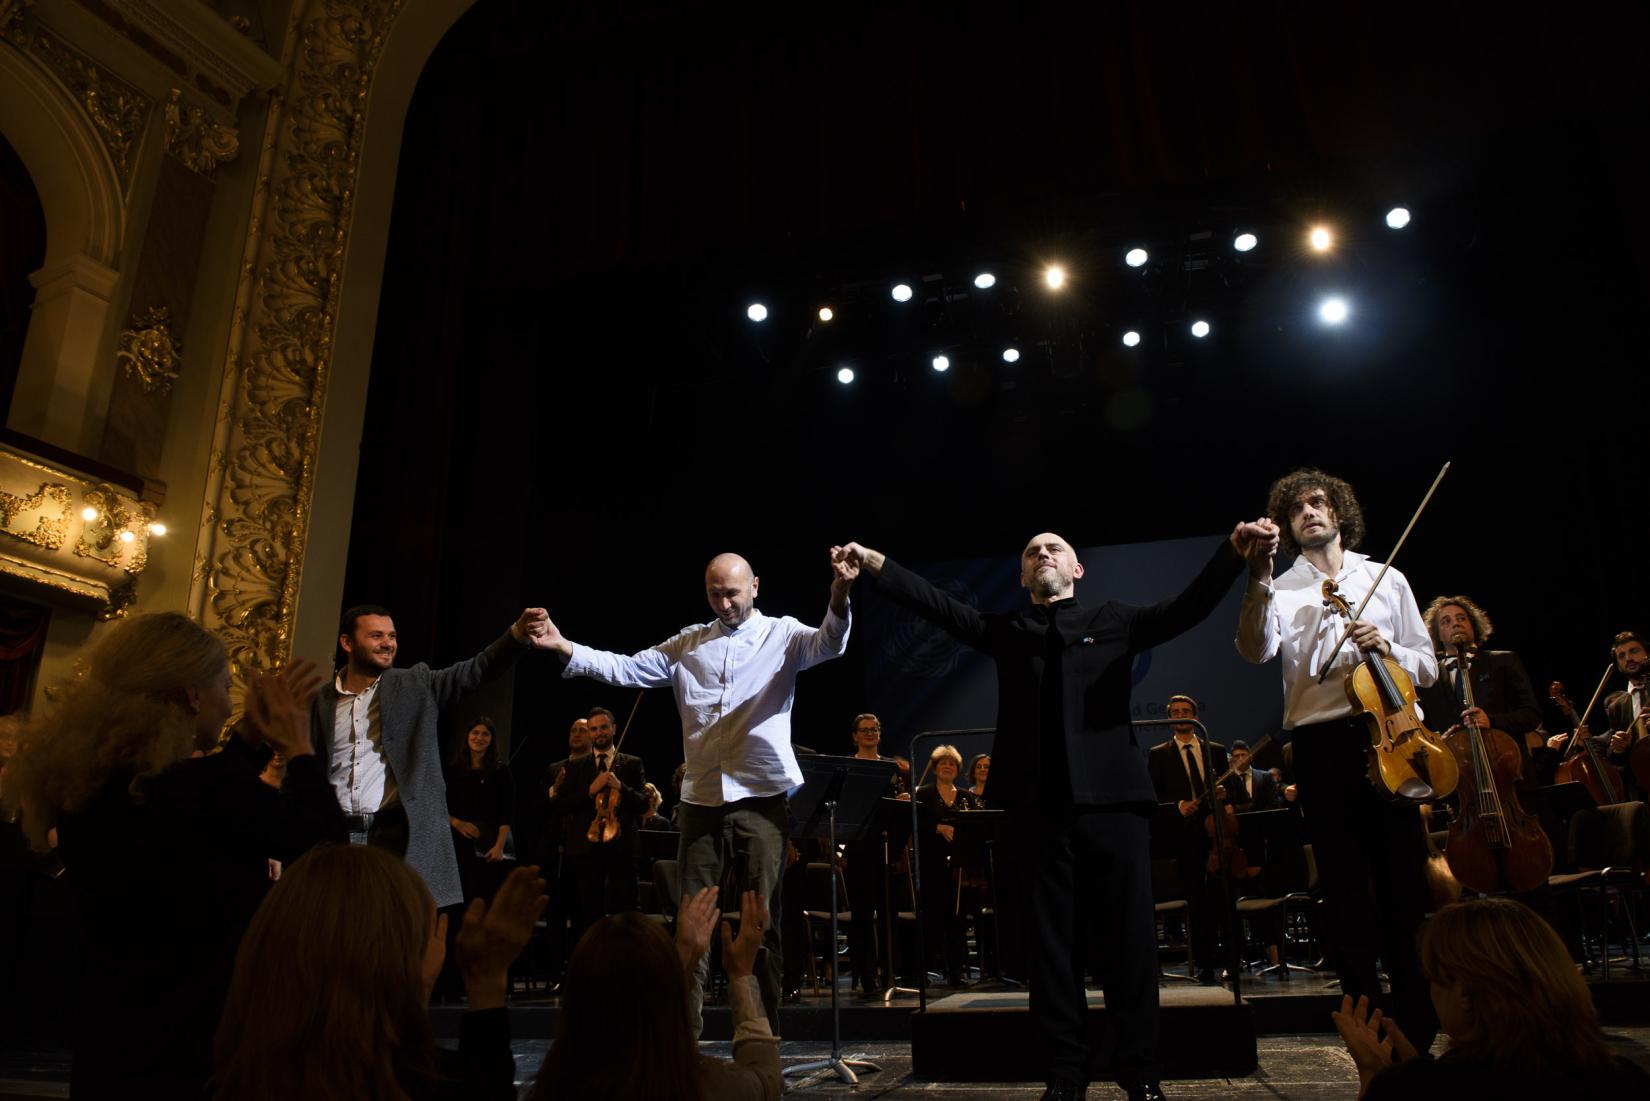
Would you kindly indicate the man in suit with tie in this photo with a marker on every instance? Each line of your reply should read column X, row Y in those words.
column 1180, row 771
column 605, row 870
column 1624, row 708
column 1250, row 788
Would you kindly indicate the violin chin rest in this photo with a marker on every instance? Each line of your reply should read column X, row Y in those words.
column 1415, row 790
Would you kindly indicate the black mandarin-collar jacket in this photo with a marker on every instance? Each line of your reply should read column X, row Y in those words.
column 1063, row 678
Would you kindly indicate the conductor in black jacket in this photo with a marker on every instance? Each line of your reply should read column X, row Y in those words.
column 1178, row 769
column 605, row 870
column 1068, row 768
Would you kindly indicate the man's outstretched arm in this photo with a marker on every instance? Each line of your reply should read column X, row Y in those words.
column 648, row 669
column 904, row 587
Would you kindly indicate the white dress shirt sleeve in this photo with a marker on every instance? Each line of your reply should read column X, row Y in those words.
column 648, row 669
column 1412, row 646
column 1258, row 634
column 829, row 640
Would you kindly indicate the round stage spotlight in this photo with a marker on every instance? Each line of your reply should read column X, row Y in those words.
column 1243, row 242
column 1320, row 239
column 1398, row 217
column 756, row 311
column 845, row 375
column 1135, row 258
column 1333, row 310
column 1200, row 329
column 1131, row 339
column 901, row 292
column 1011, row 355
column 985, row 280
column 1055, row 277
column 940, row 363
column 826, row 313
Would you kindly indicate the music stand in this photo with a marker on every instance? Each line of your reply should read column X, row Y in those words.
column 838, row 793
column 976, row 834
column 1276, row 832
column 896, row 832
column 1167, row 823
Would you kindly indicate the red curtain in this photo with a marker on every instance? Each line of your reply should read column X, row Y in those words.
column 22, row 637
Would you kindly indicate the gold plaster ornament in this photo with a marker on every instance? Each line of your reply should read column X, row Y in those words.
column 149, row 353
column 48, row 531
column 255, row 518
column 116, row 109
column 11, row 20
column 195, row 139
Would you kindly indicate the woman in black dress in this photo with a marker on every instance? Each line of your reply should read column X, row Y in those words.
column 480, row 804
column 938, row 805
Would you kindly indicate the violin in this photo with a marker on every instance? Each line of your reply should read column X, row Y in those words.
column 1494, row 844
column 1601, row 778
column 604, row 827
column 1406, row 761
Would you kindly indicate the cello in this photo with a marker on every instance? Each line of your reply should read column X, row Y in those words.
column 1406, row 763
column 1494, row 844
column 1601, row 778
column 1228, row 853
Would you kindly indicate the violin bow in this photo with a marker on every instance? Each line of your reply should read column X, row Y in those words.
column 1387, row 565
column 635, row 707
column 1592, row 703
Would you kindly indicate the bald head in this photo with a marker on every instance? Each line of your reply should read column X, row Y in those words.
column 1049, row 569
column 730, row 586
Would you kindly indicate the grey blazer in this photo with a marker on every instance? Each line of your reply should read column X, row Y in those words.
column 409, row 708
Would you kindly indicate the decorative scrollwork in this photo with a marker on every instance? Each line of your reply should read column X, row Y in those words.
column 195, row 139
column 48, row 531
column 116, row 109
column 149, row 352
column 269, row 424
column 116, row 530
column 11, row 20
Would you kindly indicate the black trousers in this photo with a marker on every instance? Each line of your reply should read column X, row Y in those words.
column 1108, row 850
column 866, row 881
column 1371, row 857
column 606, row 876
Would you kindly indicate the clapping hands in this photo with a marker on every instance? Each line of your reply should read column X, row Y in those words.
column 1373, row 1043
column 277, row 707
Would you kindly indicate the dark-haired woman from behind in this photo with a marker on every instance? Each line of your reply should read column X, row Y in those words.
column 1520, row 1021
column 610, row 1043
column 332, row 983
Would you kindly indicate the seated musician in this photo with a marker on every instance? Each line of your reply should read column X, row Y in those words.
column 1251, row 788
column 978, row 769
column 1500, row 686
column 938, row 805
column 866, row 873
column 1177, row 770
column 1622, row 710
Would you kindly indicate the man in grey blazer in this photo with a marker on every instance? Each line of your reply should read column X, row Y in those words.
column 376, row 727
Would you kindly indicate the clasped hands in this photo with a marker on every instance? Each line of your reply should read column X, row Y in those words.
column 602, row 780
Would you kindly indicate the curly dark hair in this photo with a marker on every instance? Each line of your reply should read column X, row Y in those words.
column 1288, row 489
column 1623, row 638
column 1482, row 628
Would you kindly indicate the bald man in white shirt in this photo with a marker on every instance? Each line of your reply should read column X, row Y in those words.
column 734, row 680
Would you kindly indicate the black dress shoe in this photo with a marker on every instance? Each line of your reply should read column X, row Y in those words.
column 1065, row 1091
column 1150, row 1091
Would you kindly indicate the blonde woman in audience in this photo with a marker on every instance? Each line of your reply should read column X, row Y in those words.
column 1519, row 1019
column 167, row 845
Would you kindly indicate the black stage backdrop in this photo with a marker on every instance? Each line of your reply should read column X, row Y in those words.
column 562, row 413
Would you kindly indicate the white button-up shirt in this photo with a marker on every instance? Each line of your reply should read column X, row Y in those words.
column 360, row 774
column 734, row 688
column 1286, row 617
